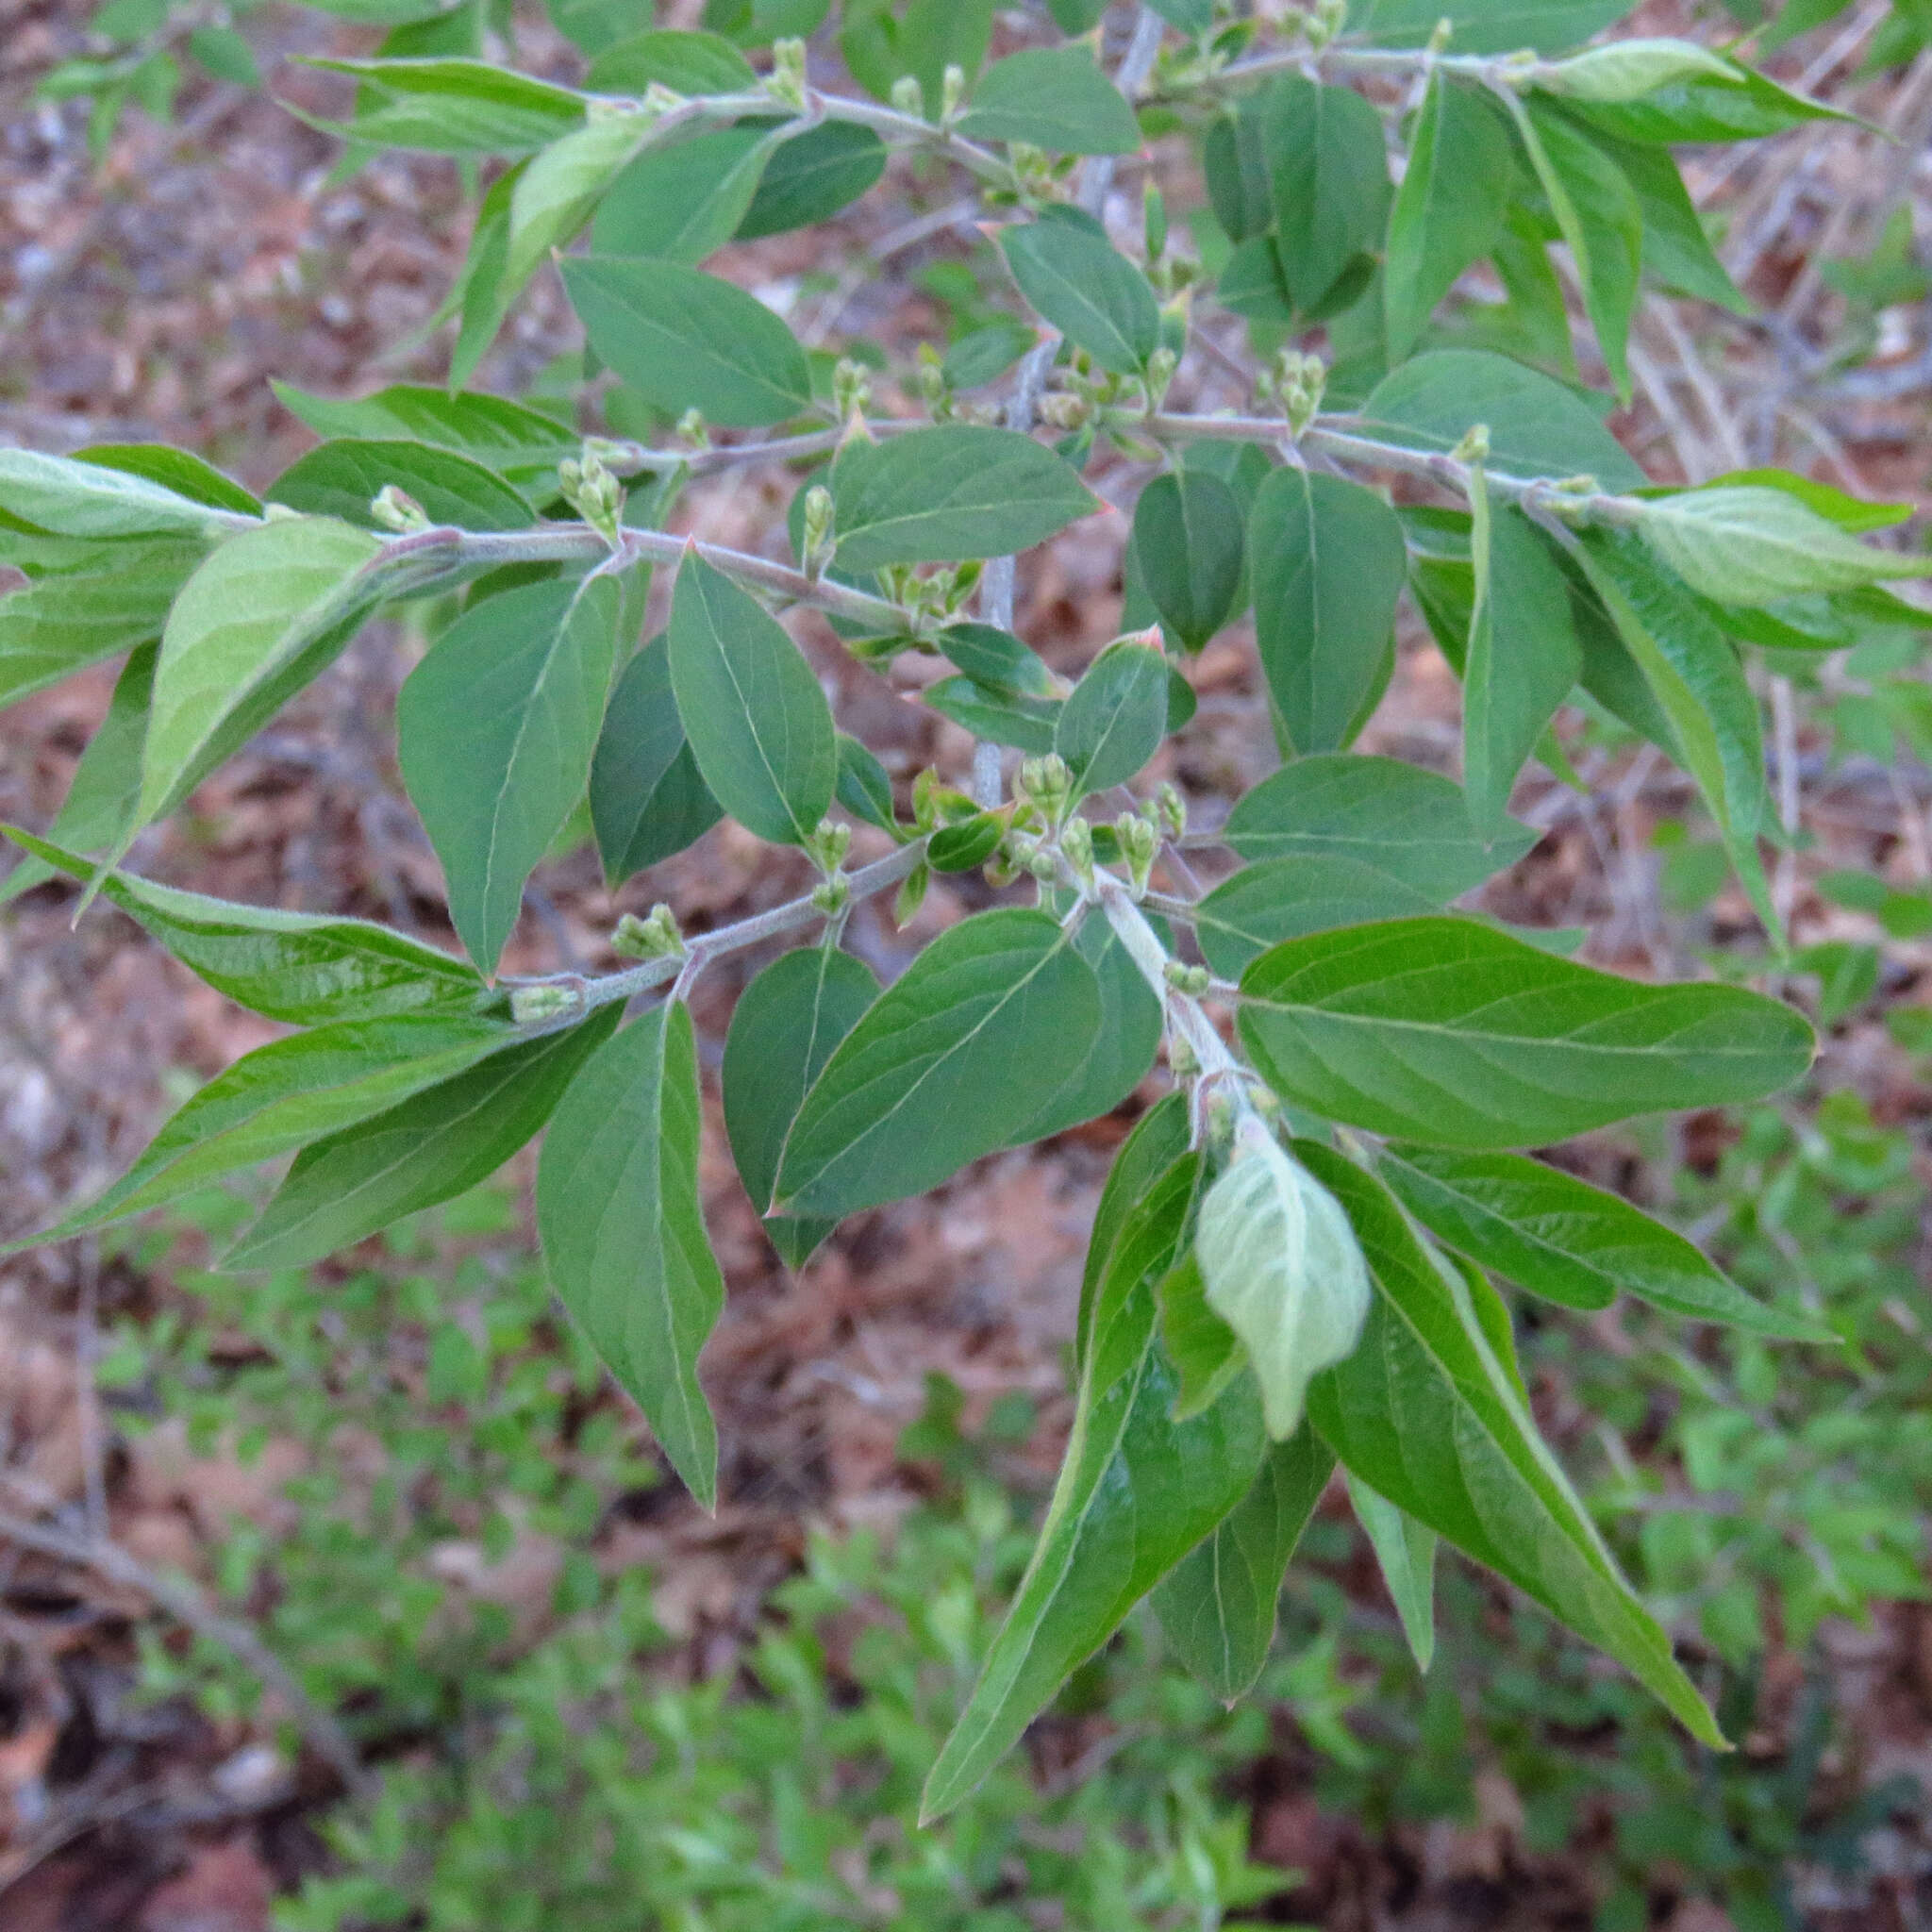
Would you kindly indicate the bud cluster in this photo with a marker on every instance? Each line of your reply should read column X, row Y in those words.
column 656, row 937
column 537, row 1006
column 396, row 510
column 786, row 81
column 929, row 601
column 817, row 541
column 592, row 492
column 1296, row 383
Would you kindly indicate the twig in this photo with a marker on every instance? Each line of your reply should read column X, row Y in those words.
column 184, row 1603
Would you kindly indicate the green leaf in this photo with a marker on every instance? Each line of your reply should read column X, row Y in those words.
column 649, row 799
column 1524, row 656
column 495, row 731
column 1124, row 1046
column 1159, row 1138
column 678, row 203
column 520, row 444
column 687, row 63
column 1569, row 1243
column 1283, row 898
column 1677, row 249
column 1486, row 26
column 1282, row 1270
column 1054, row 98
column 1329, row 172
column 946, row 495
column 436, row 1144
column 984, row 354
column 1458, row 1034
column 286, row 1094
column 248, row 614
column 1408, row 823
column 1597, row 212
column 1708, row 110
column 759, row 724
column 1538, row 426
column 882, row 40
column 1025, row 724
column 449, row 106
column 67, row 497
column 1191, row 545
column 1234, row 156
column 784, row 1028
column 865, row 788
column 106, row 781
column 177, row 470
column 685, row 340
column 341, row 479
column 1136, row 1493
column 1328, row 567
column 1207, row 1354
column 757, row 23
column 304, row 968
column 1406, row 1550
column 812, row 176
column 1426, row 1414
column 1116, row 718
column 996, row 661
column 67, row 620
column 1217, row 1607
column 1088, row 289
column 624, row 1234
column 1749, row 544
column 979, row 1033
column 1700, row 686
column 1448, row 209
column 560, row 189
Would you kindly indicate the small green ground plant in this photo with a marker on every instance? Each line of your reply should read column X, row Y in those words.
column 1292, row 1261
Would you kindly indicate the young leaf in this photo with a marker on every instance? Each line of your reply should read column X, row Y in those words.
column 1524, row 655
column 436, row 1144
column 980, row 1032
column 1207, row 1354
column 1448, row 209
column 1054, row 98
column 250, row 612
column 1328, row 567
column 68, row 497
column 623, row 1233
column 1116, row 716
column 810, row 178
column 1190, row 546
column 341, row 479
column 1410, row 825
column 1597, row 213
column 301, row 967
column 286, row 1094
column 1749, row 544
column 649, row 799
column 520, row 444
column 67, row 620
column 1217, row 1606
column 1088, row 289
column 865, row 786
column 449, row 106
column 1694, row 675
column 1561, row 1238
column 494, row 733
column 1234, row 157
column 1537, row 426
column 1426, row 1415
column 685, row 340
column 1458, row 1035
column 1330, row 177
column 1159, row 1139
column 1677, row 249
column 759, row 724
column 784, row 1028
column 1282, row 1270
column 179, row 470
column 944, row 494
column 1136, row 1493
column 559, row 190
column 680, row 203
column 1025, row 724
column 1406, row 1553
column 1283, row 898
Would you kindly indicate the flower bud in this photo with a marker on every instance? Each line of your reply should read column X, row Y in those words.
column 908, row 97
column 786, row 81
column 850, row 388
column 654, row 938
column 1076, row 848
column 396, row 510
column 1139, row 843
column 1172, row 809
column 952, row 92
column 532, row 1006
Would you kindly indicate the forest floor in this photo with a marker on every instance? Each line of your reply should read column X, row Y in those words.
column 154, row 295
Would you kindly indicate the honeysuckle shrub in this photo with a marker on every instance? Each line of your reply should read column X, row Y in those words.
column 1295, row 1260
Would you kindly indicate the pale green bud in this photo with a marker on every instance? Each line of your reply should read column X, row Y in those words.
column 952, row 92
column 1076, row 848
column 1153, row 220
column 832, row 896
column 1475, row 446
column 786, row 81
column 828, row 845
column 850, row 388
column 691, row 425
column 1173, row 810
column 1283, row 1269
column 1160, row 368
column 908, row 97
column 818, row 530
column 656, row 937
column 1139, row 843
column 532, row 1006
column 1063, row 410
column 396, row 510
column 1182, row 1060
